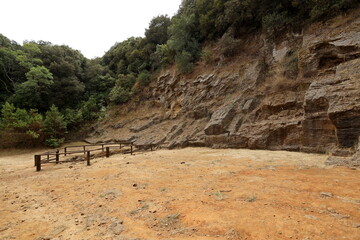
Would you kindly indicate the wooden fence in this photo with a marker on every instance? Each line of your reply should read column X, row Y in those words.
column 54, row 156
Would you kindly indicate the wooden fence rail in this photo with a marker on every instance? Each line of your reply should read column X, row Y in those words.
column 54, row 156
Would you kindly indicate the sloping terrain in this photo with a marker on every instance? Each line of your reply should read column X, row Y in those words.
column 298, row 92
column 191, row 193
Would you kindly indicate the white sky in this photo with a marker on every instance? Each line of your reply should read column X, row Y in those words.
column 91, row 26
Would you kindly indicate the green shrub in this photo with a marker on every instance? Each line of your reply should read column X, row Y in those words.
column 119, row 95
column 22, row 128
column 72, row 117
column 276, row 20
column 229, row 45
column 90, row 110
column 126, row 81
column 183, row 42
column 161, row 57
column 33, row 134
column 184, row 63
column 8, row 117
column 291, row 64
column 144, row 78
column 54, row 142
column 207, row 56
column 54, row 124
column 324, row 9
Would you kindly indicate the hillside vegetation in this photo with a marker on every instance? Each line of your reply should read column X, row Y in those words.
column 48, row 90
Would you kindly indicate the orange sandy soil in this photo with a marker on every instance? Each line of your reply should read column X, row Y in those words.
column 192, row 193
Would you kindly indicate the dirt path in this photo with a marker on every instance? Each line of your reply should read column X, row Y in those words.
column 193, row 193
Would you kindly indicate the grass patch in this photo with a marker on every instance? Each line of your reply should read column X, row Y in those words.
column 251, row 199
column 218, row 195
column 136, row 211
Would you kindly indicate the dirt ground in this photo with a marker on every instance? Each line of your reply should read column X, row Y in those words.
column 192, row 193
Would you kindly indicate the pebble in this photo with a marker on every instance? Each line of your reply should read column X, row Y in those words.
column 311, row 217
column 326, row 195
column 340, row 216
column 356, row 225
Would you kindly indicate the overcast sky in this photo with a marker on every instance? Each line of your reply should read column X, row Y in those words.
column 91, row 26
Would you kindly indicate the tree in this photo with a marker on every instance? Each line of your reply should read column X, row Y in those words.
column 324, row 9
column 19, row 127
column 183, row 42
column 8, row 117
column 11, row 72
column 98, row 81
column 157, row 33
column 67, row 92
column 209, row 12
column 67, row 66
column 90, row 110
column 55, row 127
column 35, row 92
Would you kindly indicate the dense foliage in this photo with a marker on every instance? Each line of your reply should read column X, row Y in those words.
column 41, row 81
column 178, row 40
column 37, row 76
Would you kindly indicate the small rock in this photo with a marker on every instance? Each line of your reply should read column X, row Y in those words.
column 116, row 228
column 102, row 222
column 331, row 209
column 340, row 216
column 110, row 194
column 356, row 225
column 326, row 195
column 117, row 220
column 311, row 217
column 182, row 163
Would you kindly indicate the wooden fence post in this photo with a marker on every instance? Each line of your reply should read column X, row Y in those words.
column 107, row 152
column 102, row 147
column 57, row 156
column 65, row 151
column 131, row 149
column 84, row 149
column 88, row 158
column 38, row 162
column 120, row 145
column 35, row 160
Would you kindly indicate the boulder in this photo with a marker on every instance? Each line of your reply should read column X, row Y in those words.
column 220, row 119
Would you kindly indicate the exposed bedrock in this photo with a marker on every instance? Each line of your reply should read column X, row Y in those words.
column 299, row 93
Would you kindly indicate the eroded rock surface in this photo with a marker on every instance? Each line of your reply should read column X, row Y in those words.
column 301, row 93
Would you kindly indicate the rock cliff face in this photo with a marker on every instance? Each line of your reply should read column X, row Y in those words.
column 300, row 92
